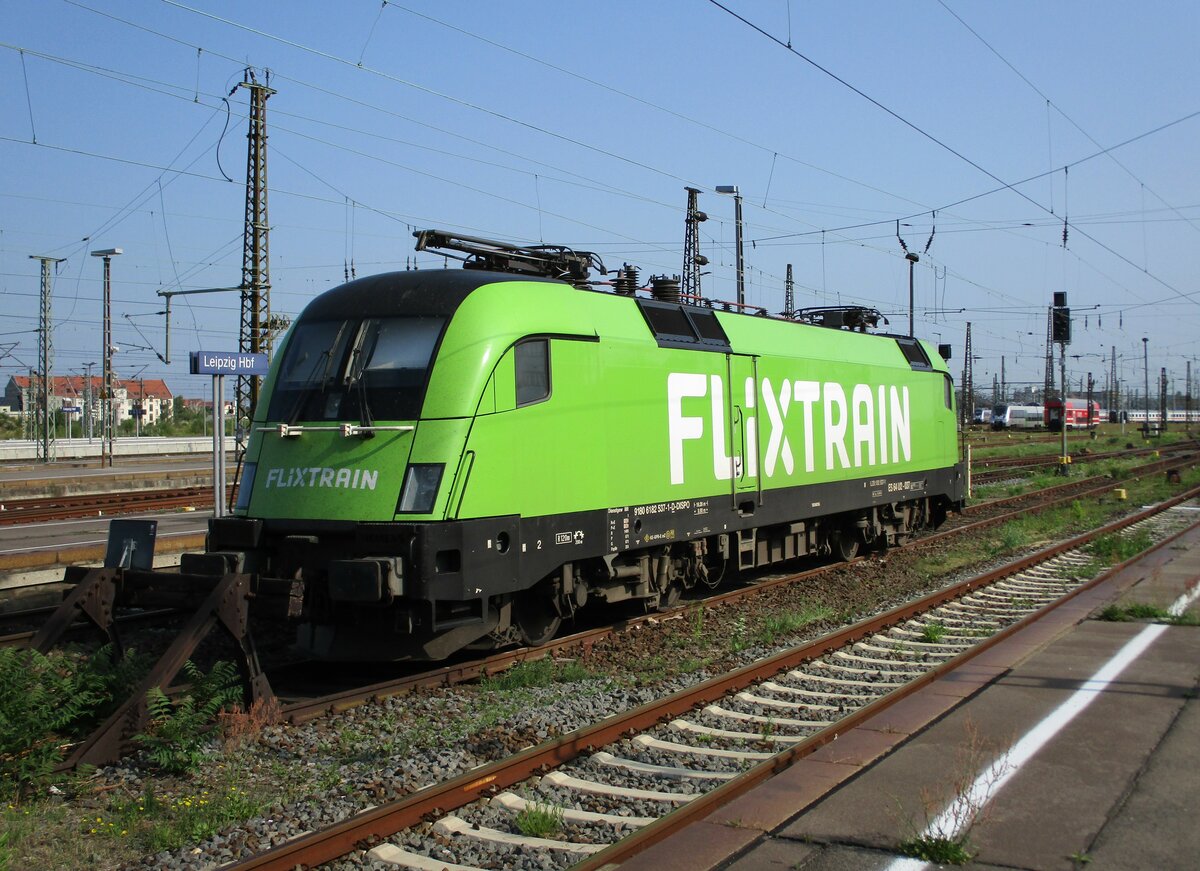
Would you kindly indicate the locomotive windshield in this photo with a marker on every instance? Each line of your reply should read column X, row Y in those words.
column 357, row 369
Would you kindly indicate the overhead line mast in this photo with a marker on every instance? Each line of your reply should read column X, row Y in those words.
column 692, row 258
column 255, row 334
column 44, row 415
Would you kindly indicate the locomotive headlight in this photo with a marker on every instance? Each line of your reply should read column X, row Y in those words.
column 245, row 486
column 420, row 488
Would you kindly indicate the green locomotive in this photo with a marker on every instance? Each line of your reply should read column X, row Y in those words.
column 463, row 458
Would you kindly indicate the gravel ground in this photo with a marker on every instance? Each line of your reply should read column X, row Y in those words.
column 300, row 778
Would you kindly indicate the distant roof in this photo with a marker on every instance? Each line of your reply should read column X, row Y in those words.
column 73, row 385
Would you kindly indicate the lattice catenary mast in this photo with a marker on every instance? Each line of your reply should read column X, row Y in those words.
column 44, row 417
column 692, row 258
column 255, row 333
column 789, row 294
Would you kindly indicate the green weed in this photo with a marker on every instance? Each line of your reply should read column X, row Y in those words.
column 156, row 825
column 537, row 673
column 1113, row 548
column 46, row 700
column 174, row 738
column 789, row 622
column 539, row 819
column 940, row 850
column 1115, row 613
column 933, row 632
column 737, row 638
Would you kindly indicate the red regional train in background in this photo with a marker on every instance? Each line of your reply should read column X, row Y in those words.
column 1080, row 414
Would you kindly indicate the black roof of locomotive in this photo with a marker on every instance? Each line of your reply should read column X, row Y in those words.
column 420, row 292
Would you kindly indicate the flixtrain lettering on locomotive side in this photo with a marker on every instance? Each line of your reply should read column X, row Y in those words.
column 843, row 423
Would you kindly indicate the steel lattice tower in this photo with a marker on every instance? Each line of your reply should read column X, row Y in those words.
column 255, row 333
column 967, row 412
column 692, row 258
column 1048, row 392
column 789, row 294
column 1114, row 394
column 44, row 417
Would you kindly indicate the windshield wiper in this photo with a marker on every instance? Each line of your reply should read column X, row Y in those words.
column 307, row 391
column 357, row 377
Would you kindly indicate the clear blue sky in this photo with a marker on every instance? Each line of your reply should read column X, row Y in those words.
column 580, row 123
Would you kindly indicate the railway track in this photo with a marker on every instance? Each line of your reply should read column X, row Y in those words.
column 300, row 709
column 619, row 785
column 983, row 470
column 259, row 838
column 17, row 511
column 985, row 514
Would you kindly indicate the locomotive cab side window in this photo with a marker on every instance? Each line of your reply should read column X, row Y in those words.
column 948, row 391
column 914, row 353
column 532, row 365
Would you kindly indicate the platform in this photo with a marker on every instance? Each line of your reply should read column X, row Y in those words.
column 1083, row 774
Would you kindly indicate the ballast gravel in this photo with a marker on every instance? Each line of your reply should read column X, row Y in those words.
column 332, row 768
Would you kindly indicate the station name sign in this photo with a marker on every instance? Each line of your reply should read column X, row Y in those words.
column 228, row 363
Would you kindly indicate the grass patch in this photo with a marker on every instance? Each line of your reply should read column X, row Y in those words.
column 1116, row 547
column 155, row 825
column 789, row 622
column 539, row 819
column 936, row 849
column 933, row 632
column 1115, row 613
column 537, row 673
column 1056, row 523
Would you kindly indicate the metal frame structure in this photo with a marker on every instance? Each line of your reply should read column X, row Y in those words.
column 255, row 332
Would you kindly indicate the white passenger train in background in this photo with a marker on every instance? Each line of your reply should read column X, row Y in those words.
column 1017, row 417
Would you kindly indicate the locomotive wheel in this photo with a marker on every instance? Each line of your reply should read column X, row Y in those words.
column 535, row 617
column 844, row 544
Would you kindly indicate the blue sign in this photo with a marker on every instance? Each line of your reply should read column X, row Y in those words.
column 71, row 409
column 228, row 363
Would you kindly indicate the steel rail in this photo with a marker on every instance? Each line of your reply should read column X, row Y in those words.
column 304, row 711
column 722, row 795
column 383, row 821
column 85, row 505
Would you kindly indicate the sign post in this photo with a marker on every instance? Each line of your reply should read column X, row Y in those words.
column 218, row 364
column 67, row 411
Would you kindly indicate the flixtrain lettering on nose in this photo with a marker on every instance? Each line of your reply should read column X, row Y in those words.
column 832, row 425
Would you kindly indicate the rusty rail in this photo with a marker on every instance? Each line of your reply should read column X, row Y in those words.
column 381, row 822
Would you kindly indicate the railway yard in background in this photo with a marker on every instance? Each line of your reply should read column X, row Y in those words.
column 641, row 739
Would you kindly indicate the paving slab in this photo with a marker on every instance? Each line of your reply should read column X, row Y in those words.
column 775, row 801
column 1078, row 780
column 1156, row 825
column 705, row 845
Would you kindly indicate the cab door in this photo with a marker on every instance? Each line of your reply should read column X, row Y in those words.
column 741, row 390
